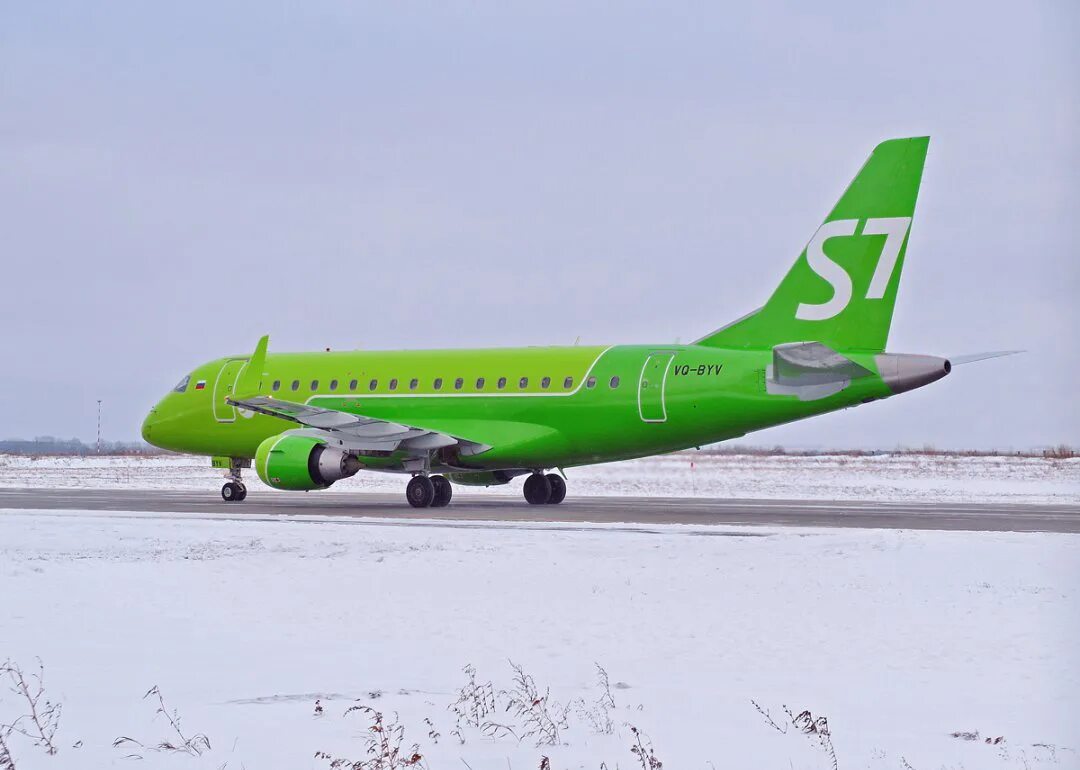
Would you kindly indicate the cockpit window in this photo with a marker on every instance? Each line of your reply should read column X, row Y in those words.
column 182, row 385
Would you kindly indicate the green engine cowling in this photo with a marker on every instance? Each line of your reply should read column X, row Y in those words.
column 302, row 463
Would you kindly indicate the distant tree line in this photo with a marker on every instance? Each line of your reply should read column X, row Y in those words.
column 51, row 445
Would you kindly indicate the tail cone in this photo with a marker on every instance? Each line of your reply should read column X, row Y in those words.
column 904, row 372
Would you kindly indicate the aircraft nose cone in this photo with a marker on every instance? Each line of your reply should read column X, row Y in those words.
column 147, row 426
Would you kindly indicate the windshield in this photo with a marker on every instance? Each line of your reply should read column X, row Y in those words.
column 182, row 385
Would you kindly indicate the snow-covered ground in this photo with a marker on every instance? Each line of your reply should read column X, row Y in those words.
column 907, row 477
column 899, row 638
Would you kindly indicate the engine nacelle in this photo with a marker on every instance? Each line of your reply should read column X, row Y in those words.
column 302, row 463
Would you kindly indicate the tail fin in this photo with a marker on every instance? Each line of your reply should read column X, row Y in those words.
column 842, row 289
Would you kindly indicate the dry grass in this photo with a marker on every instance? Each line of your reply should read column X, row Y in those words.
column 40, row 717
column 817, row 729
column 384, row 745
column 177, row 742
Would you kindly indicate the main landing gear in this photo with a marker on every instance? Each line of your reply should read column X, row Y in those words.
column 429, row 491
column 234, row 490
column 544, row 489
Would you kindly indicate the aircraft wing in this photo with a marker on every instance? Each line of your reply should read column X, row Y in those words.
column 354, row 431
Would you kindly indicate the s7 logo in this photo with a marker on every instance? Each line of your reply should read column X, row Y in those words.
column 893, row 228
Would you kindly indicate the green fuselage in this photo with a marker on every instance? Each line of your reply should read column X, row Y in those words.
column 533, row 407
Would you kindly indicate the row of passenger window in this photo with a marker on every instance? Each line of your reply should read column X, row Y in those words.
column 459, row 384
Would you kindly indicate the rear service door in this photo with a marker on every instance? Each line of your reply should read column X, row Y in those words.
column 651, row 386
column 224, row 384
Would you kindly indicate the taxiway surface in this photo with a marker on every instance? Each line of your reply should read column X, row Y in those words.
column 992, row 517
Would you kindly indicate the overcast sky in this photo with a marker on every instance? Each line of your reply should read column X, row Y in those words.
column 177, row 179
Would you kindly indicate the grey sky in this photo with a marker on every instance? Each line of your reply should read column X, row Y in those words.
column 177, row 179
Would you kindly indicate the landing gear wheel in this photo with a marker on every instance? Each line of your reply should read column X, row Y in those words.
column 537, row 489
column 443, row 491
column 558, row 488
column 243, row 492
column 421, row 492
column 233, row 492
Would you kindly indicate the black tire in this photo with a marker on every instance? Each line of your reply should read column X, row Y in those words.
column 421, row 492
column 558, row 489
column 537, row 489
column 243, row 493
column 230, row 493
column 443, row 491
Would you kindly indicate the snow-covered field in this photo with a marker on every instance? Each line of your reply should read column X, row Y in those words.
column 899, row 638
column 907, row 477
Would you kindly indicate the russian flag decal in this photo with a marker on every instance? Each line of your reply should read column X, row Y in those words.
column 201, row 384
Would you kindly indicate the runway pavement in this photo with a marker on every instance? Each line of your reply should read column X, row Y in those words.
column 994, row 517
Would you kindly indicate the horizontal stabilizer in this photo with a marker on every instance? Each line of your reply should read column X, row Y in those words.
column 973, row 357
column 810, row 370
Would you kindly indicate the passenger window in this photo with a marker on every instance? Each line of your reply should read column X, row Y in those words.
column 501, row 383
column 182, row 385
column 314, row 384
column 568, row 383
column 590, row 383
column 373, row 384
column 276, row 385
column 523, row 383
column 295, row 385
column 479, row 383
column 413, row 383
column 333, row 384
column 458, row 383
column 615, row 381
column 545, row 383
column 393, row 384
column 438, row 383
column 353, row 384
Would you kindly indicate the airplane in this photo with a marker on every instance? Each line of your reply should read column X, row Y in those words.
column 483, row 417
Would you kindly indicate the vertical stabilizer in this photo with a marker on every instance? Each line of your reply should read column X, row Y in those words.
column 842, row 289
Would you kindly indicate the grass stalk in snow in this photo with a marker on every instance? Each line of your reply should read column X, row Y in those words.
column 598, row 715
column 194, row 745
column 475, row 701
column 382, row 745
column 816, row 729
column 41, row 717
column 541, row 718
column 642, row 748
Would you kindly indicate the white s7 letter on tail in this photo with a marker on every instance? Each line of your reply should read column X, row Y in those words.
column 894, row 229
column 829, row 270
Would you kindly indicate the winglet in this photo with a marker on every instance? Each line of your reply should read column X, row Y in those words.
column 251, row 381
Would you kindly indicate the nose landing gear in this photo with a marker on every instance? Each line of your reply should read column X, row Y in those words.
column 234, row 490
